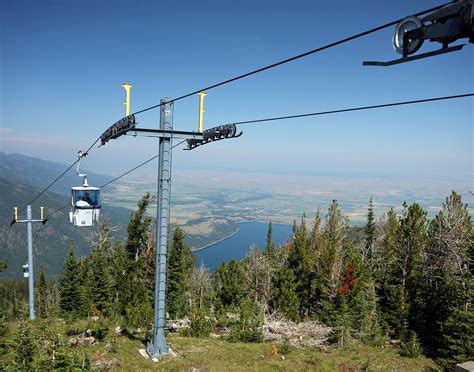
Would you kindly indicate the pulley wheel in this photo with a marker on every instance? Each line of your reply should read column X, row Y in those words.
column 407, row 24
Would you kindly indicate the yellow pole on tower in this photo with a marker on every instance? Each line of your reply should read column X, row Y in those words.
column 127, row 87
column 201, row 110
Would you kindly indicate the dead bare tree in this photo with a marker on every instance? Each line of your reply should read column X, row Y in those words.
column 201, row 284
column 258, row 272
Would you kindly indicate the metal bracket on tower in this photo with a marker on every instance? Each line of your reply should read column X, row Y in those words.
column 127, row 87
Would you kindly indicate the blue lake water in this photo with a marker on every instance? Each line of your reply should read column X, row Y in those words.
column 236, row 246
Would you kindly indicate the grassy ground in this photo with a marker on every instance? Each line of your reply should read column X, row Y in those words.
column 217, row 354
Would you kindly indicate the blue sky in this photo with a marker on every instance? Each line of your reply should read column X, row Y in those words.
column 63, row 62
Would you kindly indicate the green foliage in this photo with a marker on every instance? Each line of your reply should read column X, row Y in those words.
column 285, row 347
column 23, row 345
column 3, row 266
column 70, row 283
column 406, row 277
column 98, row 283
column 231, row 291
column 3, row 331
column 54, row 351
column 342, row 323
column 181, row 263
column 269, row 244
column 138, row 229
column 41, row 296
column 201, row 323
column 410, row 346
column 457, row 345
column 99, row 328
column 249, row 328
column 139, row 315
column 284, row 297
column 370, row 233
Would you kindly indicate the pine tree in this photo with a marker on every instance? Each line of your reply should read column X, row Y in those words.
column 231, row 289
column 130, row 280
column 24, row 347
column 181, row 263
column 316, row 236
column 269, row 245
column 457, row 345
column 41, row 296
column 138, row 229
column 447, row 279
column 301, row 263
column 249, row 328
column 403, row 283
column 98, row 282
column 370, row 233
column 284, row 296
column 331, row 257
column 342, row 322
column 70, row 286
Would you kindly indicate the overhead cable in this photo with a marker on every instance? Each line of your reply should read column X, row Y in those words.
column 360, row 108
column 291, row 59
column 58, row 177
column 116, row 178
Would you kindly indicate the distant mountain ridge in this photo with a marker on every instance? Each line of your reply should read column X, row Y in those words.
column 21, row 179
column 39, row 173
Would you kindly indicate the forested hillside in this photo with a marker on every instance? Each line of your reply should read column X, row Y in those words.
column 407, row 282
column 51, row 241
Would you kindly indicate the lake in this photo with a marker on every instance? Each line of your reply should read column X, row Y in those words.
column 236, row 246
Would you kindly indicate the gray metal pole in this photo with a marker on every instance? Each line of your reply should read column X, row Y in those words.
column 158, row 347
column 31, row 288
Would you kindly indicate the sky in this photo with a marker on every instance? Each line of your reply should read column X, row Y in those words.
column 63, row 62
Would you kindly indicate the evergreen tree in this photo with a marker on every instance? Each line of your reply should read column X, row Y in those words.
column 301, row 263
column 331, row 257
column 41, row 296
column 130, row 280
column 231, row 289
column 403, row 286
column 23, row 344
column 181, row 263
column 138, row 229
column 269, row 245
column 384, row 265
column 342, row 322
column 316, row 236
column 249, row 328
column 370, row 233
column 447, row 280
column 284, row 296
column 70, row 286
column 457, row 345
column 98, row 282
column 121, row 289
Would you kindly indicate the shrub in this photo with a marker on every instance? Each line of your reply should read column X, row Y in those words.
column 201, row 323
column 249, row 328
column 410, row 346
